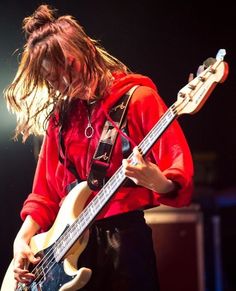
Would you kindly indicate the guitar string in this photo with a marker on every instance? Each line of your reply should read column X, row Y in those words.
column 48, row 259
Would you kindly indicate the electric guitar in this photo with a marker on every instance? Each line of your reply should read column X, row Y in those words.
column 60, row 247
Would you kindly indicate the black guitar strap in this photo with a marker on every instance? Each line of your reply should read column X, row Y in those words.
column 101, row 158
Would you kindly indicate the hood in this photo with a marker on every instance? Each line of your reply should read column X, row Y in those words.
column 122, row 84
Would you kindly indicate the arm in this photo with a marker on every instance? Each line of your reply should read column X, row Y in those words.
column 167, row 170
column 39, row 209
column 148, row 175
column 22, row 251
column 43, row 203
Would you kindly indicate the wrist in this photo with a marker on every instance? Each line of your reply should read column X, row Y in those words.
column 27, row 230
column 168, row 186
column 172, row 190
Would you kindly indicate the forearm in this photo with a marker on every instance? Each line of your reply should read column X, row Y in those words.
column 28, row 229
column 148, row 175
column 158, row 182
column 22, row 251
column 163, row 187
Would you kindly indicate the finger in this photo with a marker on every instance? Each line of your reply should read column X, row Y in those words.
column 131, row 171
column 32, row 259
column 128, row 168
column 20, row 271
column 200, row 69
column 20, row 262
column 22, row 259
column 190, row 77
column 25, row 279
column 23, row 275
column 125, row 163
column 137, row 156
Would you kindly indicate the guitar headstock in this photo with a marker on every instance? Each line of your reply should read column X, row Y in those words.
column 193, row 96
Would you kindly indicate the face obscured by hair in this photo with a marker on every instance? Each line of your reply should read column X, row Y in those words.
column 60, row 78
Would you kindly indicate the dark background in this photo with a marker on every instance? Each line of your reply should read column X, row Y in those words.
column 166, row 41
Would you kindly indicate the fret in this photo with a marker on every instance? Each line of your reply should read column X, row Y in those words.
column 104, row 193
column 92, row 209
column 57, row 252
column 85, row 217
column 157, row 130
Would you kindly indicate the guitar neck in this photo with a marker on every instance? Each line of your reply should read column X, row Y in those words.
column 74, row 231
column 168, row 117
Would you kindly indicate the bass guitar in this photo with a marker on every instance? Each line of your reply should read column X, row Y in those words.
column 60, row 247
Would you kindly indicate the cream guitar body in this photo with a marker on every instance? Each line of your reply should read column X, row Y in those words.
column 50, row 274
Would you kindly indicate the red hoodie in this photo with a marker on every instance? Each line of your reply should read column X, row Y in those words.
column 170, row 152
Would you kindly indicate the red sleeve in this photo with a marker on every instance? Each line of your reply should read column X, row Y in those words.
column 171, row 152
column 43, row 203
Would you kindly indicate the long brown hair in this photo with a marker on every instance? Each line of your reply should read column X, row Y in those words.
column 30, row 96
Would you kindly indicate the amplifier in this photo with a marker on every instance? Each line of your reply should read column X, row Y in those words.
column 179, row 247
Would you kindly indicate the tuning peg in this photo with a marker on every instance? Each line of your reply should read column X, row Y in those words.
column 200, row 69
column 206, row 64
column 220, row 55
column 209, row 62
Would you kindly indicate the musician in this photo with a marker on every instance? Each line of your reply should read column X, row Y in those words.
column 66, row 85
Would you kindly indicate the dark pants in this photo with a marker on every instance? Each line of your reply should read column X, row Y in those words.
column 120, row 254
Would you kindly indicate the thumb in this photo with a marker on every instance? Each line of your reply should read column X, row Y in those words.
column 32, row 259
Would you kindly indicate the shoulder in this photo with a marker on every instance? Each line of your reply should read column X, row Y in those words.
column 145, row 94
column 145, row 90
